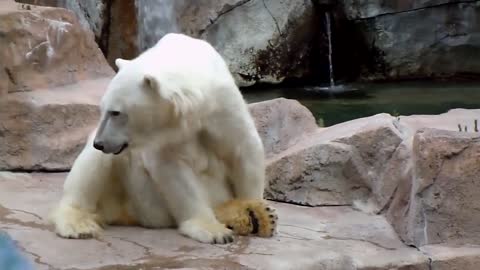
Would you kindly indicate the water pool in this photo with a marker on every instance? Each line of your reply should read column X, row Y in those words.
column 405, row 98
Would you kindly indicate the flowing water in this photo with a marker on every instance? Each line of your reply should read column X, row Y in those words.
column 157, row 18
column 405, row 98
column 329, row 37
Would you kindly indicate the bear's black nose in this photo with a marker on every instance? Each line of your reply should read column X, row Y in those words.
column 98, row 145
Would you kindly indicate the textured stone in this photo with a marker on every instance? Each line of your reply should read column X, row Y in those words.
column 45, row 129
column 362, row 9
column 37, row 48
column 437, row 41
column 338, row 165
column 445, row 257
column 281, row 123
column 308, row 238
column 273, row 44
column 442, row 196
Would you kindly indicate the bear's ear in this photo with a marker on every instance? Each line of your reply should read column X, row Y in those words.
column 184, row 101
column 119, row 62
column 150, row 83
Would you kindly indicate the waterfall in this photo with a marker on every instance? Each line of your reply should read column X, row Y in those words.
column 157, row 18
column 329, row 37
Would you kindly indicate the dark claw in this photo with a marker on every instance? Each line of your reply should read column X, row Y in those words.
column 229, row 227
column 271, row 216
column 84, row 236
column 268, row 209
column 273, row 222
column 215, row 241
column 227, row 239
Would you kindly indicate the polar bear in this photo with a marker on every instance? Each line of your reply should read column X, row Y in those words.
column 175, row 147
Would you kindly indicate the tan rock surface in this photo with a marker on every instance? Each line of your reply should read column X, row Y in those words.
column 439, row 204
column 46, row 129
column 309, row 238
column 43, row 47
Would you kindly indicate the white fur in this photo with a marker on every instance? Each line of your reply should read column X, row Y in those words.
column 193, row 145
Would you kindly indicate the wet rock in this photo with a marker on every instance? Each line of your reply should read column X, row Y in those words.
column 308, row 238
column 418, row 39
column 362, row 9
column 41, row 57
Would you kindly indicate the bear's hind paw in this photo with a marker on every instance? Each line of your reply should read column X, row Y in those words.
column 246, row 217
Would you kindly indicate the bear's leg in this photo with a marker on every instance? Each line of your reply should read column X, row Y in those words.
column 246, row 217
column 248, row 172
column 178, row 184
column 76, row 216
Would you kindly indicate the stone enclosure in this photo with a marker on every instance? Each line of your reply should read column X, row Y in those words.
column 381, row 192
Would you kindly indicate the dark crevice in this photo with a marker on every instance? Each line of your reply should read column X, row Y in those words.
column 11, row 78
column 104, row 37
column 306, row 204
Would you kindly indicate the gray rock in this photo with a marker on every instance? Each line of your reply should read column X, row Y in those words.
column 438, row 41
column 274, row 43
column 362, row 9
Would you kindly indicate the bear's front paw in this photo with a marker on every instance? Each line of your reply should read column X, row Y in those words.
column 211, row 232
column 74, row 223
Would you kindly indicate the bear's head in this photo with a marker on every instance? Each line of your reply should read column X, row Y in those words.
column 139, row 105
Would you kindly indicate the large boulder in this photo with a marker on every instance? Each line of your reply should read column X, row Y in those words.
column 442, row 194
column 423, row 180
column 45, row 130
column 339, row 165
column 53, row 75
column 417, row 39
column 45, row 47
column 275, row 43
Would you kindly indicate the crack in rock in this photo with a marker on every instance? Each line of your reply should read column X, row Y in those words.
column 328, row 237
column 225, row 10
column 273, row 17
column 417, row 9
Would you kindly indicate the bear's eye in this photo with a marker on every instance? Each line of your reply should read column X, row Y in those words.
column 115, row 113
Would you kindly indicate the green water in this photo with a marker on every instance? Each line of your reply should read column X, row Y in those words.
column 405, row 98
